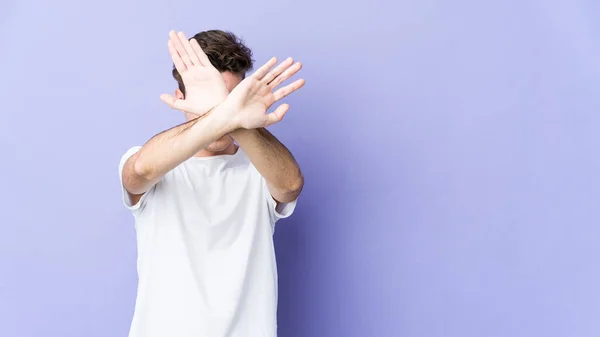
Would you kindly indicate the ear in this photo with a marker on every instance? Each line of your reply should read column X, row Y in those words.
column 178, row 94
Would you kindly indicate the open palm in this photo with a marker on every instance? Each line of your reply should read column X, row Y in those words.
column 204, row 85
column 256, row 94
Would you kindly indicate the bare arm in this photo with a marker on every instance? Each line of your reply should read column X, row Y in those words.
column 168, row 149
column 245, row 108
column 271, row 158
column 274, row 162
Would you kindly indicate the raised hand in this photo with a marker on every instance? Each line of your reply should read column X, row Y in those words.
column 204, row 85
column 251, row 99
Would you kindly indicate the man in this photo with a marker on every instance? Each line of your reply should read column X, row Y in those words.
column 206, row 195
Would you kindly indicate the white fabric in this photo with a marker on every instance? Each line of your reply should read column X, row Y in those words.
column 206, row 261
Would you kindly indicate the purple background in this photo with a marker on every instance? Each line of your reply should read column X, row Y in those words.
column 451, row 154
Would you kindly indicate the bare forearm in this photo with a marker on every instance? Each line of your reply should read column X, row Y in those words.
column 274, row 162
column 168, row 149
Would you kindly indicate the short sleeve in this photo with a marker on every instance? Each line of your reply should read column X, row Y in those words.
column 124, row 194
column 281, row 210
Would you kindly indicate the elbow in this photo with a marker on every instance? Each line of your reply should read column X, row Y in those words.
column 142, row 170
column 288, row 192
column 296, row 185
column 293, row 188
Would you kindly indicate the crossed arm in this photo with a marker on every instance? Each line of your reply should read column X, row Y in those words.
column 242, row 115
column 274, row 162
column 157, row 157
column 170, row 148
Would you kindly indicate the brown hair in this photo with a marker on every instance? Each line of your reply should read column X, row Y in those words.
column 225, row 51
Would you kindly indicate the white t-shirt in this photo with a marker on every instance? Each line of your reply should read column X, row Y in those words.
column 206, row 261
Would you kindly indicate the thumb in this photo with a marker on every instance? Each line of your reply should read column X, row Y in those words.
column 277, row 115
column 172, row 101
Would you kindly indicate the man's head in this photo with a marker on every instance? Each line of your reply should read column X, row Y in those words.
column 231, row 58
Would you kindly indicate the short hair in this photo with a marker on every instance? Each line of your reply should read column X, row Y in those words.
column 225, row 51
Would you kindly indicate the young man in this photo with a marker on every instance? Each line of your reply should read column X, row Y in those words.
column 206, row 195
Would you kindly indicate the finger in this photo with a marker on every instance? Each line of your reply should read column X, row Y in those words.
column 169, row 99
column 173, row 102
column 278, row 70
column 288, row 89
column 201, row 55
column 177, row 61
column 289, row 72
column 262, row 71
column 277, row 115
column 188, row 48
column 180, row 49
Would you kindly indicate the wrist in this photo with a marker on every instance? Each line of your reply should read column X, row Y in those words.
column 225, row 116
column 240, row 132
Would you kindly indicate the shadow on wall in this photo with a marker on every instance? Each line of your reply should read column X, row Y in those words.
column 303, row 241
